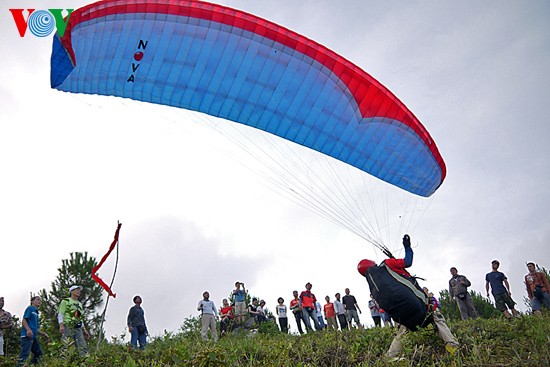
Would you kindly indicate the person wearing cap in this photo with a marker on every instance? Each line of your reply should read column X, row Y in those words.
column 407, row 292
column 29, row 333
column 537, row 289
column 70, row 318
column 501, row 291
column 209, row 314
column 458, row 289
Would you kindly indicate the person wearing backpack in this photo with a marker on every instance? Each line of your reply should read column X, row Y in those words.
column 537, row 289
column 397, row 292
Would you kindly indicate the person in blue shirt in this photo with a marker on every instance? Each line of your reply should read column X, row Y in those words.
column 30, row 332
column 239, row 299
column 501, row 291
column 136, row 324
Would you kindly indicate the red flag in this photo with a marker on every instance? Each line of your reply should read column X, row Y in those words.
column 96, row 268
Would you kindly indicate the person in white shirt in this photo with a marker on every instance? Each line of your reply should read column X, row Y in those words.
column 261, row 309
column 319, row 312
column 340, row 312
column 281, row 311
column 209, row 316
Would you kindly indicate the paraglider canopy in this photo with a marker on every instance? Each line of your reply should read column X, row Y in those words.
column 230, row 64
column 238, row 67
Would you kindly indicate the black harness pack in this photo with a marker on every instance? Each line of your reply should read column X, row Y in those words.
column 401, row 297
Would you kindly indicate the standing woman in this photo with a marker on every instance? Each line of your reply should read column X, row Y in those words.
column 136, row 324
column 29, row 333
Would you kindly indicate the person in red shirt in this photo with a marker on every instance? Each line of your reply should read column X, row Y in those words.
column 537, row 289
column 307, row 301
column 399, row 265
column 226, row 313
column 330, row 315
column 296, row 309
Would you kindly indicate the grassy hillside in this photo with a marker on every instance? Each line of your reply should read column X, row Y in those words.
column 494, row 342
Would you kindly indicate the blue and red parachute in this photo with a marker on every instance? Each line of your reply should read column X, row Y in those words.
column 230, row 64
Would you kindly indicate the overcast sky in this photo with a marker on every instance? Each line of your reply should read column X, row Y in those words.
column 477, row 74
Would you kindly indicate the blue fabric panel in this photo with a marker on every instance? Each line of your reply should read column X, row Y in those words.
column 241, row 76
column 61, row 64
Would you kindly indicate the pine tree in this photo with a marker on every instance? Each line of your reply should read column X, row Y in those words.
column 76, row 270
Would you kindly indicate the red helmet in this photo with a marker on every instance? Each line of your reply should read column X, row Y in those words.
column 364, row 265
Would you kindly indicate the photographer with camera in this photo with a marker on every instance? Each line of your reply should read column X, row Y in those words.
column 239, row 299
column 70, row 317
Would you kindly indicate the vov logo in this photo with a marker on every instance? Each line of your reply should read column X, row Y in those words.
column 41, row 23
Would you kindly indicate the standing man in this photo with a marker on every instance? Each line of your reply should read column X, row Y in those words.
column 239, row 297
column 296, row 309
column 537, row 289
column 458, row 288
column 136, row 324
column 6, row 322
column 30, row 332
column 501, row 290
column 351, row 306
column 70, row 317
column 340, row 312
column 209, row 315
column 307, row 301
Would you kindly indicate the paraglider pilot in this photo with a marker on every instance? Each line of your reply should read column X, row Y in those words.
column 399, row 294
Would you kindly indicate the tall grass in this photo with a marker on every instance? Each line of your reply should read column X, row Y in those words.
column 484, row 342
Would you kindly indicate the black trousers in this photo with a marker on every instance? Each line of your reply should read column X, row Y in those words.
column 299, row 320
column 343, row 321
